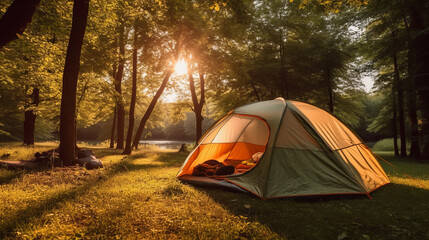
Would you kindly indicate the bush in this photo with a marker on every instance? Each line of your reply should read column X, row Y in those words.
column 387, row 145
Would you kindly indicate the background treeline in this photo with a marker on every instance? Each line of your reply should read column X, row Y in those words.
column 237, row 52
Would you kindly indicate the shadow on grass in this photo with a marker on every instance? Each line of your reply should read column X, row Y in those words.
column 395, row 212
column 23, row 217
column 399, row 166
column 102, row 152
column 172, row 159
column 7, row 176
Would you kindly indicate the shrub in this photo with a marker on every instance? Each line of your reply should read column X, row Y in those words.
column 387, row 145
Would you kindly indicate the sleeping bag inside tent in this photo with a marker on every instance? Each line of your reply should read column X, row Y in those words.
column 282, row 148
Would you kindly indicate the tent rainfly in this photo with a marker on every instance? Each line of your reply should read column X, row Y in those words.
column 306, row 151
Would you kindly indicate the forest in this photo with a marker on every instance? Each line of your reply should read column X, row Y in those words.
column 123, row 71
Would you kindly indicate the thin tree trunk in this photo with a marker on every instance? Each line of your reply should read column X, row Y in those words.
column 330, row 91
column 412, row 108
column 394, row 104
column 118, row 88
column 70, row 77
column 283, row 77
column 255, row 91
column 400, row 105
column 415, row 148
column 16, row 19
column 149, row 110
column 30, row 118
column 198, row 106
column 112, row 132
column 133, row 98
column 394, row 120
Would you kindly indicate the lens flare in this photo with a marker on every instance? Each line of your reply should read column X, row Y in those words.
column 181, row 67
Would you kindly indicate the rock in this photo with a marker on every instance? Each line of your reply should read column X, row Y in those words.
column 85, row 153
column 47, row 159
column 183, row 148
column 90, row 162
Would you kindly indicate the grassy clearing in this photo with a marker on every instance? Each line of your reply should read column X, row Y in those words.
column 387, row 145
column 138, row 197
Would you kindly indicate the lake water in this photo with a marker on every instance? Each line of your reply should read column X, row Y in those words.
column 165, row 144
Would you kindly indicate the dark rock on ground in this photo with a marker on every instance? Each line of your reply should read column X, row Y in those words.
column 51, row 158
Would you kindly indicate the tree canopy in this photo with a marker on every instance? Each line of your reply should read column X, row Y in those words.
column 236, row 52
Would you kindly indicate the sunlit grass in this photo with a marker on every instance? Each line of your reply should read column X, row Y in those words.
column 17, row 151
column 138, row 197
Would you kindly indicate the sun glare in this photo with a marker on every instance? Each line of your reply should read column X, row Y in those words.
column 181, row 67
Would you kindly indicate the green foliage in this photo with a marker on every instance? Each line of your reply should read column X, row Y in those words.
column 247, row 50
column 386, row 145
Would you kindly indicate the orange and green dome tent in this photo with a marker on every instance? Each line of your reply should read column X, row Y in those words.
column 306, row 151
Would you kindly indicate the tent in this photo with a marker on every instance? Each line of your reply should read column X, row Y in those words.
column 306, row 151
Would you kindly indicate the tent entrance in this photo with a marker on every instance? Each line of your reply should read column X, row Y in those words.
column 234, row 139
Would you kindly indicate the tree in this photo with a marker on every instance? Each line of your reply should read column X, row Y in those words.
column 118, row 87
column 198, row 105
column 418, row 65
column 16, row 19
column 30, row 118
column 70, row 77
column 127, row 149
column 112, row 132
column 150, row 108
column 395, row 31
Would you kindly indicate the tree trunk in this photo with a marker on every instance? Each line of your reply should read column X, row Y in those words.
column 16, row 19
column 419, row 25
column 112, row 132
column 412, row 108
column 400, row 106
column 395, row 95
column 394, row 119
column 415, row 148
column 70, row 76
column 255, row 91
column 150, row 109
column 413, row 67
column 30, row 118
column 198, row 106
column 133, row 98
column 283, row 77
column 118, row 88
column 330, row 90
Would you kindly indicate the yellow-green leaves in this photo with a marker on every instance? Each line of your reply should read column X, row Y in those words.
column 217, row 4
column 334, row 6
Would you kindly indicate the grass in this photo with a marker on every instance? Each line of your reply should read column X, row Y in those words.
column 138, row 197
column 386, row 145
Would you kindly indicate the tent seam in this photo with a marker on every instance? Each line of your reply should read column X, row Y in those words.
column 264, row 188
column 329, row 151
